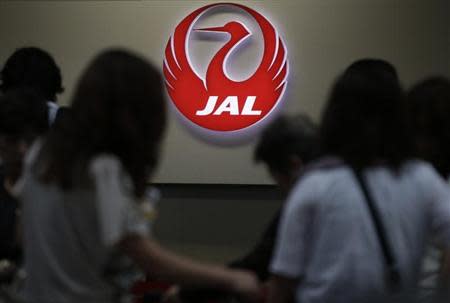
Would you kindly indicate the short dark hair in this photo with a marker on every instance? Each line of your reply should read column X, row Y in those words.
column 118, row 108
column 35, row 68
column 23, row 115
column 428, row 105
column 286, row 136
column 364, row 121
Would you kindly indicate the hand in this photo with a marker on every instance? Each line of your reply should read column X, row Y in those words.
column 247, row 285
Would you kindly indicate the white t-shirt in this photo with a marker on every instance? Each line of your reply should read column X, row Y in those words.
column 327, row 238
column 70, row 237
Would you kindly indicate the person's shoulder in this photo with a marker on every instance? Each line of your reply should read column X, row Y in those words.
column 320, row 178
column 420, row 169
column 105, row 164
column 323, row 171
column 105, row 167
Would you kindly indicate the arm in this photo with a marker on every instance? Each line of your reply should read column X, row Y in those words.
column 163, row 264
column 123, row 225
column 294, row 235
column 281, row 289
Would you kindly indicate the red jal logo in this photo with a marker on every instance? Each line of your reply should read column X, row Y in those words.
column 216, row 102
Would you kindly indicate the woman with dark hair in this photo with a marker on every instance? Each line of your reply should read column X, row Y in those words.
column 356, row 225
column 364, row 121
column 82, row 187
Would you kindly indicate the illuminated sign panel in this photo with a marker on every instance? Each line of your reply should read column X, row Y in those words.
column 215, row 103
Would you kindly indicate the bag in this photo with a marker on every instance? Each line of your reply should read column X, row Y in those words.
column 392, row 273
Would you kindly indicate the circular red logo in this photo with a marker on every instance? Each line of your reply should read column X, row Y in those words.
column 215, row 102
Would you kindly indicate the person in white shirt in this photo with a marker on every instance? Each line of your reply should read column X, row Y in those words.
column 355, row 226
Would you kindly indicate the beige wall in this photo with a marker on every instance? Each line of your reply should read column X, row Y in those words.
column 322, row 38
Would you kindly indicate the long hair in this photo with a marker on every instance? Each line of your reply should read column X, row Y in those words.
column 364, row 120
column 118, row 108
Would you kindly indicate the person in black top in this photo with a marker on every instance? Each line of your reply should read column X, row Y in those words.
column 286, row 146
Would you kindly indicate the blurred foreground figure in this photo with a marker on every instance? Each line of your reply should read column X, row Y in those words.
column 286, row 147
column 428, row 105
column 82, row 188
column 355, row 227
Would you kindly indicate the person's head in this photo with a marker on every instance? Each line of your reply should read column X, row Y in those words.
column 287, row 144
column 23, row 117
column 34, row 68
column 428, row 105
column 364, row 119
column 118, row 108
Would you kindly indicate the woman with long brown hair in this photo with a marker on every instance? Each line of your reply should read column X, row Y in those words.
column 82, row 186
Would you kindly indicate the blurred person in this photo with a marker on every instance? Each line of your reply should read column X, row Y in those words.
column 355, row 226
column 29, row 75
column 23, row 117
column 428, row 104
column 82, row 186
column 34, row 68
column 286, row 146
